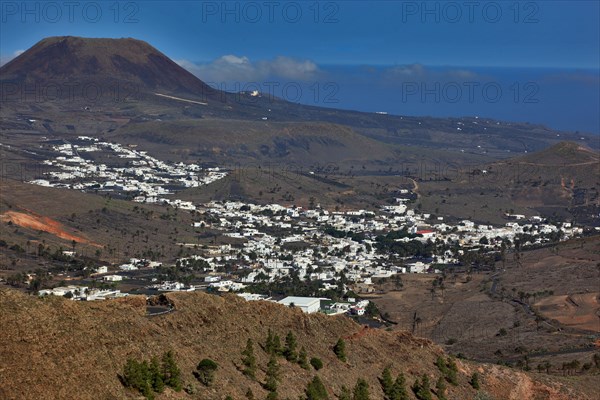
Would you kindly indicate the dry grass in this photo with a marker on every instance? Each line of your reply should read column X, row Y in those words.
column 62, row 349
column 467, row 315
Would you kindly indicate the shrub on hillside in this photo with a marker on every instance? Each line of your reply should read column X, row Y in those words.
column 316, row 363
column 340, row 350
column 150, row 378
column 205, row 371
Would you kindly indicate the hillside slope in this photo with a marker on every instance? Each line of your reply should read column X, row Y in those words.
column 111, row 81
column 562, row 154
column 79, row 61
column 562, row 180
column 234, row 142
column 55, row 348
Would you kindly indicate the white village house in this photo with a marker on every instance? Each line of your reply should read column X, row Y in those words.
column 308, row 305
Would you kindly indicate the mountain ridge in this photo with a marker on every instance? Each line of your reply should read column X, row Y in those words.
column 131, row 75
column 100, row 336
column 563, row 153
column 98, row 61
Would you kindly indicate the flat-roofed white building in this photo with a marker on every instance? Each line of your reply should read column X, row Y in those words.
column 102, row 270
column 112, row 278
column 308, row 305
column 253, row 296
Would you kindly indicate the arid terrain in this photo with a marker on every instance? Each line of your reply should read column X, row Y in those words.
column 579, row 311
column 98, row 337
column 245, row 133
column 528, row 323
column 546, row 309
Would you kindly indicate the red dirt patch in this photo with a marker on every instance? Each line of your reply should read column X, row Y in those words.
column 41, row 223
column 359, row 334
column 578, row 310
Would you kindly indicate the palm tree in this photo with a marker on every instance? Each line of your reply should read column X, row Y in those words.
column 418, row 321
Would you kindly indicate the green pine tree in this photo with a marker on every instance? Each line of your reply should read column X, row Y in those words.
column 452, row 375
column 361, row 390
column 158, row 384
column 345, row 394
column 315, row 390
column 269, row 344
column 475, row 381
column 249, row 359
column 289, row 350
column 272, row 396
column 136, row 376
column 146, row 388
column 340, row 349
column 171, row 372
column 421, row 388
column 303, row 359
column 272, row 374
column 277, row 350
column 131, row 374
column 440, row 389
column 441, row 364
column 399, row 391
column 387, row 382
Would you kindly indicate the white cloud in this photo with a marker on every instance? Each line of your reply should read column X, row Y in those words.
column 5, row 59
column 232, row 68
column 404, row 73
column 292, row 69
column 407, row 71
column 462, row 74
column 231, row 59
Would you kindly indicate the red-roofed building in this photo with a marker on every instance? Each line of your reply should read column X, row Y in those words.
column 426, row 233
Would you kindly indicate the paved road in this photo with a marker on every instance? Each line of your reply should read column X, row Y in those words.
column 538, row 355
column 152, row 311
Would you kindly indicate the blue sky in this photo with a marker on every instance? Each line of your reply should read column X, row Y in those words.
column 522, row 34
column 367, row 50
